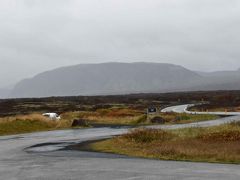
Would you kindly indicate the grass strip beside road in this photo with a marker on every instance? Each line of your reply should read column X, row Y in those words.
column 29, row 123
column 218, row 144
column 134, row 117
column 183, row 118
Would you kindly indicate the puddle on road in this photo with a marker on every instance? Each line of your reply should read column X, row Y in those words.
column 47, row 147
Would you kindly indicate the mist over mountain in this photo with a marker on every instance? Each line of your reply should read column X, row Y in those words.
column 4, row 92
column 123, row 78
column 219, row 80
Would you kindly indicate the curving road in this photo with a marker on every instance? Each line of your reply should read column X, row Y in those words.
column 232, row 116
column 184, row 109
column 51, row 161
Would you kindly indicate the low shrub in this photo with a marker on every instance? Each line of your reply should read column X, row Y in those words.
column 141, row 119
column 148, row 135
column 235, row 123
column 158, row 120
column 223, row 135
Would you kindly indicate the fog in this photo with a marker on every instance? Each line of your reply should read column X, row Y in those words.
column 39, row 35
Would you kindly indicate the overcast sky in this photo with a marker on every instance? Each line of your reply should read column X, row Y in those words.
column 38, row 35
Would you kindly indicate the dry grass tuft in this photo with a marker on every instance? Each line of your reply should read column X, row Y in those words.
column 147, row 135
column 171, row 117
column 30, row 117
column 213, row 144
column 117, row 112
column 225, row 135
column 107, row 116
column 26, row 123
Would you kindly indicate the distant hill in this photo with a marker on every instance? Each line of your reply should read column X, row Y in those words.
column 220, row 80
column 107, row 78
column 123, row 78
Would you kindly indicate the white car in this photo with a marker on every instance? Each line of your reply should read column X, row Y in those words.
column 52, row 116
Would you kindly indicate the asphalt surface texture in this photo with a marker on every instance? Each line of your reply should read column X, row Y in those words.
column 43, row 156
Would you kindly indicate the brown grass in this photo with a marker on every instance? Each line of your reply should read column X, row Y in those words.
column 143, row 136
column 30, row 123
column 126, row 116
column 209, row 108
column 25, row 123
column 37, row 122
column 173, row 118
column 36, row 117
column 215, row 144
column 107, row 116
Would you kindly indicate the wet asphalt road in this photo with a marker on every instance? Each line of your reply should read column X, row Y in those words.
column 18, row 161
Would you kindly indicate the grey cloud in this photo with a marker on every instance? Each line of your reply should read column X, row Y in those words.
column 37, row 35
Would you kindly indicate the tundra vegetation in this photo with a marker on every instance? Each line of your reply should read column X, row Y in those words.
column 29, row 123
column 103, row 117
column 24, row 115
column 216, row 99
column 218, row 144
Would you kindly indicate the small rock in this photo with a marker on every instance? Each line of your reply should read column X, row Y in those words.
column 158, row 120
column 79, row 122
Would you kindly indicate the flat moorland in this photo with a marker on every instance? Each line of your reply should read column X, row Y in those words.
column 128, row 116
column 111, row 116
column 217, row 99
column 103, row 117
column 24, row 115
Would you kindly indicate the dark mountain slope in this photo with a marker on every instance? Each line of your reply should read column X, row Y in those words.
column 107, row 78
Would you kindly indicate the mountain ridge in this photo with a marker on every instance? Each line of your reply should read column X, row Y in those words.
column 122, row 78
